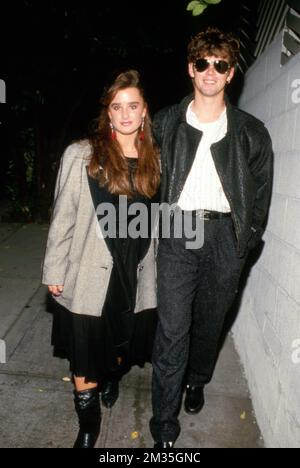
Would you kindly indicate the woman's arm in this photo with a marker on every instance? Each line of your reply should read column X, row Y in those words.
column 55, row 290
column 66, row 199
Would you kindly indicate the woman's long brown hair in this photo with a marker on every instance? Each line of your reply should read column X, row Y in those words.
column 108, row 164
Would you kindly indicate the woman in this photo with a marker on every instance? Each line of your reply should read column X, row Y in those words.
column 103, row 279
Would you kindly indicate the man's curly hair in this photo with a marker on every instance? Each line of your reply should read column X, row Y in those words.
column 213, row 41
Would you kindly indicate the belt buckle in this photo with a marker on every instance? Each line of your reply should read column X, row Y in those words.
column 203, row 214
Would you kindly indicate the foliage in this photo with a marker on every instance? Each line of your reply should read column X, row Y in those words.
column 197, row 7
column 23, row 207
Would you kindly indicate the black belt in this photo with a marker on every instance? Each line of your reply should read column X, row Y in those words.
column 209, row 214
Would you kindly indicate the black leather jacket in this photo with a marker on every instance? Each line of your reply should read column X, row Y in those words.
column 243, row 159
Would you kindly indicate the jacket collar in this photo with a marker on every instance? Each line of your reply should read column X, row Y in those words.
column 183, row 106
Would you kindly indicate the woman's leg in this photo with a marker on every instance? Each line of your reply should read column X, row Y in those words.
column 87, row 406
column 81, row 384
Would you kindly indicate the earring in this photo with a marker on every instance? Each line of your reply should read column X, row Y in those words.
column 142, row 133
column 113, row 132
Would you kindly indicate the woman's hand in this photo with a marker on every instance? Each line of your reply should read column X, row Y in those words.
column 55, row 290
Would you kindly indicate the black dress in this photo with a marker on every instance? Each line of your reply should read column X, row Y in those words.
column 93, row 344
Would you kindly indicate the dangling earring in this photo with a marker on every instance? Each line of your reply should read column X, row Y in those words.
column 142, row 133
column 113, row 132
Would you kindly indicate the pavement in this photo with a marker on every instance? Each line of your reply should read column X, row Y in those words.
column 36, row 403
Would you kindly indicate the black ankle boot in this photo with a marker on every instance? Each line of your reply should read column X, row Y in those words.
column 194, row 399
column 88, row 410
column 110, row 392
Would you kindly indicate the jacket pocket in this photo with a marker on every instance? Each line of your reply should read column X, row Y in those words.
column 70, row 280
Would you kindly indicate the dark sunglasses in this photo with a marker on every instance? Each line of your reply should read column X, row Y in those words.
column 221, row 66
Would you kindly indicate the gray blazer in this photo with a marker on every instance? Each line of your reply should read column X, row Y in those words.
column 76, row 256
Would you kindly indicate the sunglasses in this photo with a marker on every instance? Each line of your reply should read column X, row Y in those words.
column 221, row 66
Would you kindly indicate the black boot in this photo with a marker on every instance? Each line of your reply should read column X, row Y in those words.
column 194, row 399
column 88, row 410
column 110, row 391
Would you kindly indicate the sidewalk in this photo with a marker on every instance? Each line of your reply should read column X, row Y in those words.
column 36, row 407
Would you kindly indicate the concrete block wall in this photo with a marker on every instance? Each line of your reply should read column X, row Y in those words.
column 267, row 331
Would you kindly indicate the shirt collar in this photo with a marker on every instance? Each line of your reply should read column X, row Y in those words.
column 192, row 118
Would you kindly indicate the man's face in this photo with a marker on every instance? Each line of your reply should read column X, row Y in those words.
column 210, row 82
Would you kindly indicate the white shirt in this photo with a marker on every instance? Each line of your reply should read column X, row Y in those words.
column 203, row 189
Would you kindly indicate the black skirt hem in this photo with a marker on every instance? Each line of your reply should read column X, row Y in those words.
column 86, row 343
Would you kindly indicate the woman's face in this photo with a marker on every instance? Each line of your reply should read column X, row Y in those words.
column 126, row 111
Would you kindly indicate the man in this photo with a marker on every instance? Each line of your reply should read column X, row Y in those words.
column 217, row 165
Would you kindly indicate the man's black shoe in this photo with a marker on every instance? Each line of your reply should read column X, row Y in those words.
column 163, row 445
column 110, row 392
column 194, row 399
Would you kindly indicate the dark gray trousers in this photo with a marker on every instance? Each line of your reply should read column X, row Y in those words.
column 195, row 290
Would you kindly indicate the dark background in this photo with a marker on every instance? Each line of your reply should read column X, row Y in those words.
column 55, row 59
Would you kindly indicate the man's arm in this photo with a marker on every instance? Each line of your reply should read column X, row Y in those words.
column 261, row 168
